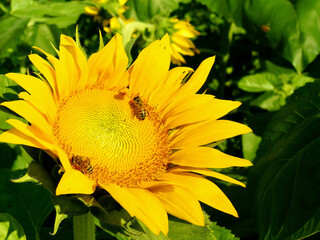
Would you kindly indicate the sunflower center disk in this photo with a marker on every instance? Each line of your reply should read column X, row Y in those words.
column 105, row 137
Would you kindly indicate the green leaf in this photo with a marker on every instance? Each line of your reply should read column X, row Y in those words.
column 178, row 229
column 250, row 144
column 66, row 206
column 259, row 82
column 145, row 10
column 42, row 36
column 21, row 4
column 293, row 31
column 8, row 89
column 222, row 233
column 61, row 14
column 11, row 29
column 10, row 229
column 230, row 9
column 13, row 157
column 286, row 174
column 27, row 202
column 270, row 101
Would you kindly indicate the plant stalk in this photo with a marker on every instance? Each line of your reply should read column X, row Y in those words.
column 83, row 227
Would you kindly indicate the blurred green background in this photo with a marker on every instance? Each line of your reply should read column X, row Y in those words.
column 267, row 57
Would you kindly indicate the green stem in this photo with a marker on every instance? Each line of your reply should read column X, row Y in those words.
column 83, row 227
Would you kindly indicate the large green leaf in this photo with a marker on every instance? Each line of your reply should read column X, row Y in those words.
column 29, row 203
column 10, row 33
column 44, row 36
column 145, row 10
column 230, row 9
column 293, row 29
column 178, row 230
column 286, row 175
column 61, row 14
column 10, row 229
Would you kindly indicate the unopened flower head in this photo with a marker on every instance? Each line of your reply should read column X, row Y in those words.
column 181, row 43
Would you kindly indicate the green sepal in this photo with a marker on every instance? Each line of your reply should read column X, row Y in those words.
column 78, row 41
column 40, row 174
column 101, row 43
column 66, row 206
column 59, row 218
column 25, row 178
column 37, row 174
column 55, row 49
column 128, row 46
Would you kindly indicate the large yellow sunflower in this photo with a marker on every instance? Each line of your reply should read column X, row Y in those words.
column 139, row 133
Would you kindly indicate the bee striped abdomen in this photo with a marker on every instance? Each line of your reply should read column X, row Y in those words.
column 83, row 163
column 140, row 108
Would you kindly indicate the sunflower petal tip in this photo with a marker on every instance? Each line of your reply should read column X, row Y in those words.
column 165, row 41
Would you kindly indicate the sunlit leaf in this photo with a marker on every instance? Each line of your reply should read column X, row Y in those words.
column 259, row 82
column 10, row 229
column 61, row 14
column 250, row 144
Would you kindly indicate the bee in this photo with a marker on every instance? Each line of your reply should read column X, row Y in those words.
column 140, row 107
column 83, row 163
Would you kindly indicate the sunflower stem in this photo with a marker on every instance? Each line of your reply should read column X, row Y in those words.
column 83, row 227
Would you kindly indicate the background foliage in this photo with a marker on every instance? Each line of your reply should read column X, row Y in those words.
column 267, row 57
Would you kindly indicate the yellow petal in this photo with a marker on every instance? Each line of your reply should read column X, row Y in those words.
column 16, row 137
column 180, row 105
column 46, row 69
column 63, row 158
column 39, row 89
column 204, row 157
column 79, row 62
column 202, row 189
column 32, row 115
column 180, row 202
column 176, row 57
column 33, row 133
column 207, row 132
column 109, row 64
column 208, row 173
column 53, row 60
column 49, row 111
column 150, row 68
column 183, row 50
column 166, row 91
column 120, row 77
column 142, row 204
column 198, row 78
column 184, row 42
column 75, row 182
column 91, row 10
column 68, row 69
column 209, row 110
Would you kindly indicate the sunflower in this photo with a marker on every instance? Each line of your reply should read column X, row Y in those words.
column 138, row 133
column 112, row 23
column 180, row 41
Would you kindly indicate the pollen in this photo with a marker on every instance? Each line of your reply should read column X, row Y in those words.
column 103, row 126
